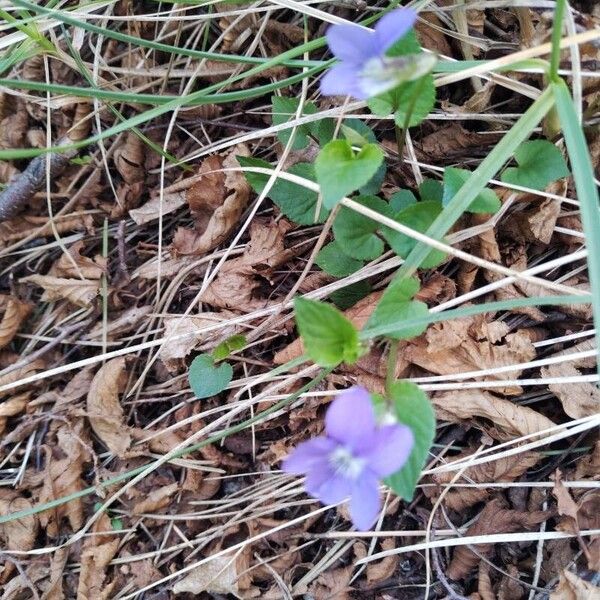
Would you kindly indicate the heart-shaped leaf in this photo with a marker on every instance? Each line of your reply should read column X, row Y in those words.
column 284, row 110
column 412, row 408
column 340, row 171
column 540, row 163
column 356, row 234
column 419, row 217
column 454, row 179
column 207, row 379
column 334, row 261
column 328, row 337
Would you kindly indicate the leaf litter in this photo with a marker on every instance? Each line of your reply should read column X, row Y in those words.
column 71, row 432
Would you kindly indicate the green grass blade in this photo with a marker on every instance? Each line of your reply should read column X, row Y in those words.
column 585, row 185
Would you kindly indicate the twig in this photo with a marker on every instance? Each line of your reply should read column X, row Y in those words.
column 32, row 179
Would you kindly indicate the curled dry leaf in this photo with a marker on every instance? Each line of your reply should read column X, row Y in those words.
column 98, row 550
column 382, row 570
column 21, row 373
column 123, row 323
column 19, row 534
column 104, row 409
column 578, row 399
column 500, row 470
column 217, row 576
column 184, row 334
column 494, row 518
column 572, row 587
column 129, row 158
column 151, row 210
column 80, row 292
column 237, row 280
column 448, row 348
column 511, row 420
column 62, row 476
column 11, row 407
column 156, row 500
column 216, row 201
column 15, row 312
column 20, row 227
column 75, row 265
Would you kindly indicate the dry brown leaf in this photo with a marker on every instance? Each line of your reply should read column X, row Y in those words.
column 123, row 323
column 104, row 409
column 19, row 534
column 63, row 476
column 21, row 373
column 218, row 576
column 11, row 407
column 74, row 264
column 382, row 570
column 578, row 399
column 333, row 584
column 447, row 348
column 589, row 465
column 15, row 313
column 217, row 201
column 54, row 591
column 151, row 210
column 500, row 470
column 572, row 587
column 237, row 280
column 24, row 226
column 80, row 292
column 184, row 334
column 494, row 518
column 450, row 142
column 156, row 500
column 430, row 34
column 129, row 158
column 98, row 551
column 510, row 419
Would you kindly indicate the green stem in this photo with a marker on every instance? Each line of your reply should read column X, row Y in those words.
column 559, row 13
column 392, row 361
column 401, row 135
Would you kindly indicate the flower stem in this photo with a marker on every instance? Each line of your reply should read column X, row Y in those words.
column 559, row 13
column 401, row 132
column 392, row 359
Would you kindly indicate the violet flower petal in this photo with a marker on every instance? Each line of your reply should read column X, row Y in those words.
column 392, row 27
column 351, row 43
column 309, row 455
column 391, row 449
column 350, row 418
column 365, row 503
column 335, row 489
column 341, row 80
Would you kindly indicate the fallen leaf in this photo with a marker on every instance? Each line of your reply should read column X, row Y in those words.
column 218, row 576
column 156, row 500
column 333, row 584
column 129, row 158
column 511, row 420
column 572, row 587
column 54, row 591
column 494, row 518
column 20, row 373
column 98, row 550
column 18, row 534
column 15, row 312
column 184, row 334
column 74, row 265
column 155, row 207
column 448, row 348
column 104, row 409
column 578, row 399
column 62, row 476
column 80, row 292
column 217, row 201
column 121, row 324
column 380, row 571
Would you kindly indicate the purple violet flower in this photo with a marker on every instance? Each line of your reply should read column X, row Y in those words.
column 364, row 70
column 352, row 457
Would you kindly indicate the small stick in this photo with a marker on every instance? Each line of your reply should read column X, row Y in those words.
column 32, row 179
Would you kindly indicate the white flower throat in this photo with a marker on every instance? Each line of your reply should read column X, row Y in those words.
column 346, row 464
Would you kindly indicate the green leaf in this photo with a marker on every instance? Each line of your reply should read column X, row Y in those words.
column 206, row 379
column 412, row 408
column 295, row 201
column 402, row 199
column 355, row 233
column 226, row 347
column 348, row 296
column 419, row 217
column 284, row 110
column 328, row 337
column 431, row 189
column 407, row 44
column 416, row 98
column 485, row 202
column 340, row 171
column 334, row 261
column 540, row 163
column 397, row 306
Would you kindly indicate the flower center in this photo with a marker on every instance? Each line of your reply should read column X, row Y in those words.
column 345, row 463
